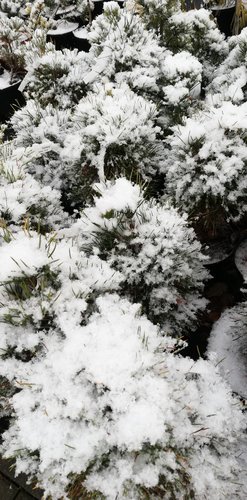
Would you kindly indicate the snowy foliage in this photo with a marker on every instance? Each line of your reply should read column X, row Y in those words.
column 46, row 8
column 114, row 131
column 11, row 7
column 101, row 276
column 123, row 50
column 144, row 419
column 36, row 47
column 57, row 78
column 155, row 13
column 180, row 87
column 42, row 281
column 231, row 76
column 44, row 130
column 21, row 42
column 153, row 248
column 196, row 31
column 13, row 34
column 207, row 161
column 22, row 198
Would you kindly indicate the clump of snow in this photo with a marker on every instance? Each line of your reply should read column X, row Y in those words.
column 21, row 256
column 121, row 195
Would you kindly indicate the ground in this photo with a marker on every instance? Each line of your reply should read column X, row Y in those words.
column 12, row 488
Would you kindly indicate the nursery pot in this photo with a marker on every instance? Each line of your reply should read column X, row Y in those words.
column 67, row 14
column 218, row 251
column 193, row 4
column 217, row 235
column 10, row 98
column 224, row 15
column 81, row 41
column 62, row 35
column 99, row 6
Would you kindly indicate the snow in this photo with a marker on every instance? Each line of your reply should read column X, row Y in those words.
column 62, row 27
column 70, row 444
column 228, row 341
column 205, row 164
column 81, row 33
column 122, row 195
column 114, row 158
column 5, row 80
column 21, row 256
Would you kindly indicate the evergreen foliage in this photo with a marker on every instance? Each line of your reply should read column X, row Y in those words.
column 114, row 155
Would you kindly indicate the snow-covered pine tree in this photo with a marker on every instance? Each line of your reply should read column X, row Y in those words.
column 11, row 7
column 56, row 77
column 154, row 249
column 43, row 130
column 194, row 31
column 22, row 40
column 123, row 416
column 206, row 165
column 229, row 83
column 124, row 50
column 104, row 405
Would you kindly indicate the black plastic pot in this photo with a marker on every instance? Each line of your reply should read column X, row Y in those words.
column 193, row 4
column 63, row 39
column 10, row 100
column 224, row 19
column 98, row 6
column 81, row 41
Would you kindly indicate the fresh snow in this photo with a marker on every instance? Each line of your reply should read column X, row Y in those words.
column 117, row 169
column 63, row 27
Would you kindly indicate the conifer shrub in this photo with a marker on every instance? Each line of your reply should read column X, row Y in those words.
column 110, row 410
column 57, row 78
column 24, row 200
column 114, row 130
column 125, row 51
column 206, row 164
column 194, row 31
column 153, row 248
column 230, row 81
column 101, row 274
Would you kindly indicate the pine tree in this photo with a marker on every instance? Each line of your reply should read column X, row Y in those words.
column 101, row 274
